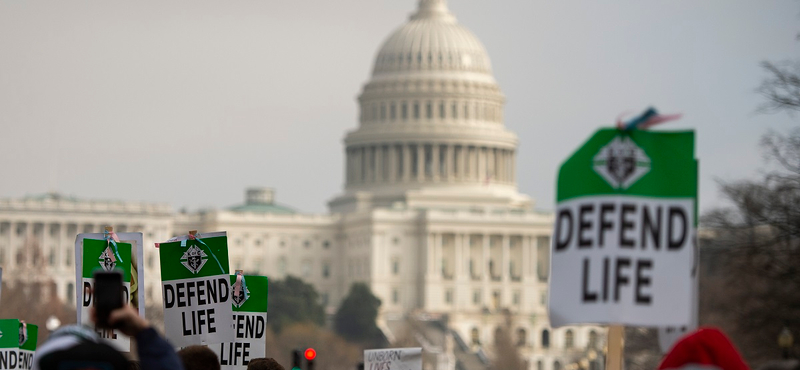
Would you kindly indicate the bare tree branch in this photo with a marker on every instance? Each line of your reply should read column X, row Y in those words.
column 751, row 268
column 782, row 88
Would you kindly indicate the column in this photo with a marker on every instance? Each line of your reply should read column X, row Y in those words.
column 459, row 257
column 437, row 243
column 491, row 174
column 347, row 166
column 379, row 163
column 472, row 165
column 505, row 272
column 450, row 162
column 407, row 163
column 349, row 170
column 364, row 164
column 513, row 167
column 462, row 163
column 356, row 165
column 431, row 255
column 371, row 163
column 44, row 243
column 359, row 165
column 509, row 166
column 9, row 250
column 485, row 262
column 13, row 244
column 534, row 242
column 435, row 162
column 481, row 170
column 392, row 163
column 420, row 162
column 526, row 258
column 503, row 159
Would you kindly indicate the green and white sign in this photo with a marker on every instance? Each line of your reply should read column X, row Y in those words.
column 101, row 255
column 137, row 274
column 249, row 323
column 17, row 344
column 196, row 291
column 624, row 239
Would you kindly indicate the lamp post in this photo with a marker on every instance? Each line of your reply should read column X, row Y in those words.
column 785, row 341
column 52, row 323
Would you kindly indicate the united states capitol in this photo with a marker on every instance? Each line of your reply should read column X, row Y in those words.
column 430, row 216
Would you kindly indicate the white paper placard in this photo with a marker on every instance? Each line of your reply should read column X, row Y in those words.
column 393, row 359
column 117, row 339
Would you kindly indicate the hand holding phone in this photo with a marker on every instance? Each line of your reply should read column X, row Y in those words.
column 107, row 296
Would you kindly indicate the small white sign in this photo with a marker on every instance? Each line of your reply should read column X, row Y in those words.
column 393, row 359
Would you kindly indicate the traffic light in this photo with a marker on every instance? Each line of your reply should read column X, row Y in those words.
column 310, row 354
column 296, row 360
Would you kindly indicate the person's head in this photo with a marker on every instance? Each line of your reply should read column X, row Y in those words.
column 199, row 358
column 77, row 347
column 262, row 363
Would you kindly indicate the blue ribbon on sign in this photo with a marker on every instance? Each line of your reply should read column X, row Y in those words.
column 648, row 118
column 197, row 238
column 111, row 238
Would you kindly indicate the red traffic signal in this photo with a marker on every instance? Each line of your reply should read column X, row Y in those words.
column 310, row 354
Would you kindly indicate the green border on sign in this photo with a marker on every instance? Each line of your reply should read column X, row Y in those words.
column 10, row 330
column 171, row 253
column 258, row 286
column 33, row 337
column 672, row 174
column 93, row 248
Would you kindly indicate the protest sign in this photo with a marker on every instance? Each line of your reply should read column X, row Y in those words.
column 196, row 290
column 625, row 229
column 249, row 300
column 137, row 270
column 393, row 359
column 103, row 255
column 17, row 344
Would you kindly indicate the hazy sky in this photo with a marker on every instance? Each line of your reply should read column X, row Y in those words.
column 189, row 102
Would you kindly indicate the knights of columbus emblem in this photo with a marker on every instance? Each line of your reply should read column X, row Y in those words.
column 621, row 163
column 107, row 261
column 239, row 299
column 194, row 258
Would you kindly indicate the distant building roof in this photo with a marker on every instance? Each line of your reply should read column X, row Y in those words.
column 57, row 202
column 51, row 196
column 261, row 200
column 263, row 208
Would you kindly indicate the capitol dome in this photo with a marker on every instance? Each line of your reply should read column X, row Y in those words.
column 432, row 41
column 431, row 129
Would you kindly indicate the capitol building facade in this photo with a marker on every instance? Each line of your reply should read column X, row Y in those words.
column 430, row 216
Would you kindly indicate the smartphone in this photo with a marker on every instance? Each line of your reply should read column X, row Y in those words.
column 107, row 295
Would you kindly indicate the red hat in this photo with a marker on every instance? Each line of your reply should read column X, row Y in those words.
column 704, row 348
